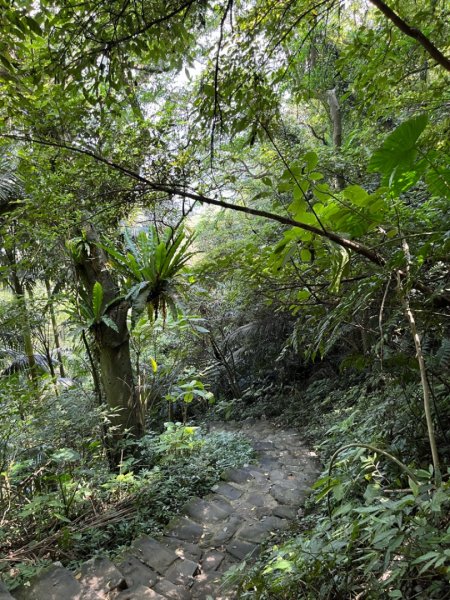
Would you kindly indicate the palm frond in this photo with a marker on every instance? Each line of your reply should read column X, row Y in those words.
column 21, row 363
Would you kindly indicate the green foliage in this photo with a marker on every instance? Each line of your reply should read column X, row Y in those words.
column 178, row 440
column 250, row 122
column 339, row 261
column 10, row 184
column 396, row 160
column 187, row 389
column 91, row 312
column 383, row 544
column 369, row 528
column 74, row 497
column 399, row 150
column 438, row 181
column 48, row 451
column 150, row 264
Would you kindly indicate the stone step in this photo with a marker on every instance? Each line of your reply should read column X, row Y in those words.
column 206, row 586
column 4, row 593
column 211, row 560
column 258, row 532
column 285, row 512
column 220, row 535
column 241, row 475
column 137, row 573
column 56, row 583
column 101, row 575
column 242, row 549
column 182, row 572
column 204, row 511
column 182, row 548
column 266, row 445
column 140, row 592
column 172, row 591
column 183, row 528
column 153, row 554
column 227, row 490
column 210, row 535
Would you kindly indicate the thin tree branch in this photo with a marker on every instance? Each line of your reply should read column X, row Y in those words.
column 380, row 320
column 173, row 190
column 146, row 26
column 286, row 164
column 414, row 33
column 217, row 110
column 423, row 372
column 319, row 137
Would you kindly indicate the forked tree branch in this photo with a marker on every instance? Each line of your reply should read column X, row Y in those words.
column 173, row 190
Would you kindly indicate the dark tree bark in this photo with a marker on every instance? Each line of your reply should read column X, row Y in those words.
column 414, row 33
column 54, row 328
column 19, row 292
column 439, row 300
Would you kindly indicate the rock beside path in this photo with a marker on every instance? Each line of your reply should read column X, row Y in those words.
column 244, row 510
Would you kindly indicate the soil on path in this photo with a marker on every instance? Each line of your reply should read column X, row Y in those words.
column 211, row 535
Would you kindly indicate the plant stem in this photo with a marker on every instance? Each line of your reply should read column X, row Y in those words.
column 422, row 368
column 391, row 457
column 425, row 388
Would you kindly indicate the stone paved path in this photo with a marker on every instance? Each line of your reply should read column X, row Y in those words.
column 211, row 534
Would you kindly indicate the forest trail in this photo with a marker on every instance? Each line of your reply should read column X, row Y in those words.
column 207, row 538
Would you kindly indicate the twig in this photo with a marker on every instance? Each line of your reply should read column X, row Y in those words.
column 217, row 109
column 380, row 319
column 414, row 33
column 391, row 457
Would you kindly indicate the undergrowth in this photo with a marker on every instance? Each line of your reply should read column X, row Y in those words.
column 75, row 506
column 372, row 529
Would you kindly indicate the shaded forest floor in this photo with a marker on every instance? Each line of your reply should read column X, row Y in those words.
column 248, row 507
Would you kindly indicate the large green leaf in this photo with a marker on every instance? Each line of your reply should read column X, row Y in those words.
column 139, row 297
column 10, row 185
column 399, row 150
column 110, row 323
column 151, row 263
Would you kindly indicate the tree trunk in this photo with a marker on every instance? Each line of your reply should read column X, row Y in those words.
column 19, row 292
column 336, row 120
column 94, row 371
column 27, row 339
column 55, row 328
column 117, row 376
column 113, row 347
column 104, row 430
